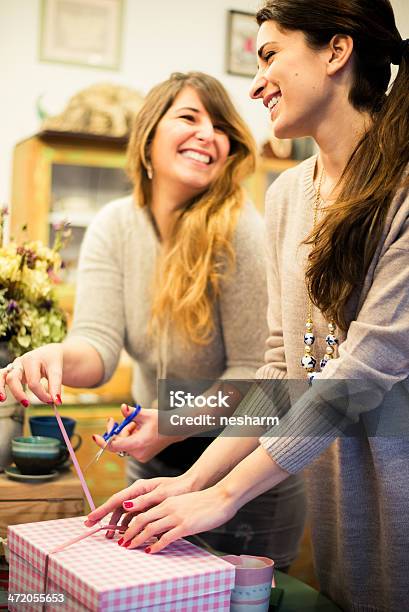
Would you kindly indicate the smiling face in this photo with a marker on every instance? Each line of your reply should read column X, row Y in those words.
column 291, row 80
column 188, row 150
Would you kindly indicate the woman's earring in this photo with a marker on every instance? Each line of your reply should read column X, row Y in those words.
column 149, row 170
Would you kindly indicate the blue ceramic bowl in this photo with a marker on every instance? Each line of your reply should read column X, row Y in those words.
column 48, row 426
column 37, row 454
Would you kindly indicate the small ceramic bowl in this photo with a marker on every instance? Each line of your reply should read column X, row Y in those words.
column 48, row 426
column 37, row 454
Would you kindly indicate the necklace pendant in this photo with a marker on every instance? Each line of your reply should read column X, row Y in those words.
column 309, row 338
column 323, row 362
column 308, row 362
column 311, row 376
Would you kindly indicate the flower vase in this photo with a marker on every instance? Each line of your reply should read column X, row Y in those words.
column 11, row 416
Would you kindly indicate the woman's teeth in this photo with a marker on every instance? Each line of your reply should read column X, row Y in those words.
column 205, row 159
column 274, row 101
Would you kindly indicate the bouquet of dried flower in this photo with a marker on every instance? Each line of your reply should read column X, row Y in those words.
column 29, row 313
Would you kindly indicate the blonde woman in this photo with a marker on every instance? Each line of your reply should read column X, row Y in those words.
column 175, row 274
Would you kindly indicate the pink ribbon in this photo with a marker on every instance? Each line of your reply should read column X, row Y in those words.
column 74, row 460
column 88, row 533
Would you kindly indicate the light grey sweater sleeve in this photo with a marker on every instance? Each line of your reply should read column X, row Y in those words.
column 373, row 359
column 99, row 317
column 243, row 300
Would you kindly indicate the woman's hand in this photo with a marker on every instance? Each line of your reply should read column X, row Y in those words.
column 141, row 438
column 44, row 362
column 141, row 495
column 194, row 512
column 177, row 517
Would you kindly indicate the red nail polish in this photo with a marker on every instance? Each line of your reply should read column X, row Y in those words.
column 148, row 549
column 128, row 543
column 24, row 403
column 120, row 542
column 58, row 398
column 128, row 410
column 2, row 397
column 128, row 505
column 94, row 438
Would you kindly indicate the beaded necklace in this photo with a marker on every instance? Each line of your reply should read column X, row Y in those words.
column 308, row 361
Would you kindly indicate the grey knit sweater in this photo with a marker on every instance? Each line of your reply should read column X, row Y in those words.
column 358, row 486
column 113, row 303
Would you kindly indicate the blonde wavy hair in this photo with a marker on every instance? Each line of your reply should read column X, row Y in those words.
column 200, row 251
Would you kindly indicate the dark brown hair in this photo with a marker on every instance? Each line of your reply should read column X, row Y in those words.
column 344, row 243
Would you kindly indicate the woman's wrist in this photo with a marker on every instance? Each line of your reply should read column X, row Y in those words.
column 195, row 477
column 232, row 490
column 254, row 475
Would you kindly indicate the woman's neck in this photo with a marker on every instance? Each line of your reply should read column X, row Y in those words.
column 336, row 141
column 166, row 206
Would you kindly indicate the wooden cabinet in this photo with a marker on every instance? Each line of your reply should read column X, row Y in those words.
column 58, row 176
column 61, row 177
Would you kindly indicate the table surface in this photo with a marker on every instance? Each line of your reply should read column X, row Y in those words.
column 299, row 597
column 64, row 486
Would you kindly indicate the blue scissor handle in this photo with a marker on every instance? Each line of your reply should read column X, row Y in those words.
column 108, row 434
column 116, row 429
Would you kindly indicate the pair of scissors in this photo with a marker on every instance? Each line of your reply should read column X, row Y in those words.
column 116, row 430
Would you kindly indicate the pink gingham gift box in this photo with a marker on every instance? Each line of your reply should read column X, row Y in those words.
column 97, row 574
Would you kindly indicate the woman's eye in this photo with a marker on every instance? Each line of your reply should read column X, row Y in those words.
column 188, row 117
column 269, row 55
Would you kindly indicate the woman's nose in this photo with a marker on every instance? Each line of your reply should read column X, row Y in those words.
column 257, row 87
column 205, row 131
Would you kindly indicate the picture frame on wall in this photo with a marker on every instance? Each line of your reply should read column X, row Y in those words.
column 241, row 58
column 82, row 32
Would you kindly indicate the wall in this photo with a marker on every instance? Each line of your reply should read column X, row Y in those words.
column 185, row 35
column 158, row 37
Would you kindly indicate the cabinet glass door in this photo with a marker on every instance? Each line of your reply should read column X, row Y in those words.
column 77, row 194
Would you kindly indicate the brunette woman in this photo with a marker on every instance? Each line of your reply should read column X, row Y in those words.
column 338, row 271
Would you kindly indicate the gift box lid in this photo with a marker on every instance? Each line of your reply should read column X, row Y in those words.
column 99, row 573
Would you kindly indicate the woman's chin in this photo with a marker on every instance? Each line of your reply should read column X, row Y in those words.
column 197, row 185
column 281, row 130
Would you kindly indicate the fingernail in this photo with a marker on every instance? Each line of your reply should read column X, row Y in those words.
column 128, row 505
column 24, row 403
column 94, row 438
column 128, row 410
column 58, row 399
column 148, row 549
column 2, row 397
column 120, row 542
column 128, row 543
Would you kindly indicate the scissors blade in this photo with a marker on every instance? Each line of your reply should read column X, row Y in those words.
column 98, row 455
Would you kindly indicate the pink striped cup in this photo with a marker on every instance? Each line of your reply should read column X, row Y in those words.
column 254, row 577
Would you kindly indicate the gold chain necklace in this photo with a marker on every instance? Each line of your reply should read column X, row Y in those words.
column 308, row 361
